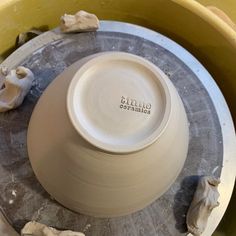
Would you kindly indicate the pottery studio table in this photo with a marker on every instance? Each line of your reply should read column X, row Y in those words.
column 211, row 145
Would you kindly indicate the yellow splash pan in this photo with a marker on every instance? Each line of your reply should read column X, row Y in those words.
column 189, row 23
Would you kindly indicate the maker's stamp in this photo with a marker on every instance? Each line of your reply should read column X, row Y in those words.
column 131, row 104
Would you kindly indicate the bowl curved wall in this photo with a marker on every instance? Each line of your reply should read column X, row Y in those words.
column 90, row 180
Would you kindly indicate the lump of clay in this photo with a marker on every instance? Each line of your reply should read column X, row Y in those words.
column 204, row 201
column 26, row 36
column 3, row 74
column 36, row 229
column 16, row 85
column 82, row 21
column 223, row 16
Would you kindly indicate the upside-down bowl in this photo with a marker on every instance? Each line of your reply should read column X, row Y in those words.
column 109, row 135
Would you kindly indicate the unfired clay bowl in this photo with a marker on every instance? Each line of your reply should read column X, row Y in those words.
column 109, row 135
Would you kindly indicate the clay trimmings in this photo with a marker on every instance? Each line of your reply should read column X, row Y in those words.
column 204, row 201
column 36, row 229
column 82, row 21
column 14, row 86
column 134, row 105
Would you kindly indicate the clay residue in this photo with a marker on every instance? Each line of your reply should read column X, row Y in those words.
column 204, row 201
column 82, row 21
column 14, row 86
column 36, row 229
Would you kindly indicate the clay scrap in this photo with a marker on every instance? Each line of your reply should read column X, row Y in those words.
column 26, row 36
column 14, row 86
column 82, row 21
column 3, row 74
column 36, row 229
column 204, row 201
column 223, row 16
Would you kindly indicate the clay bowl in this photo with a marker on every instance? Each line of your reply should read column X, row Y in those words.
column 109, row 135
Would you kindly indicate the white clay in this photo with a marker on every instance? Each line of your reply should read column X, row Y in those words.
column 3, row 74
column 26, row 36
column 36, row 229
column 80, row 22
column 204, row 201
column 223, row 16
column 16, row 85
column 2, row 78
column 4, row 70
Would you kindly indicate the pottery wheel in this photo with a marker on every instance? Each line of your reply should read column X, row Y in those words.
column 23, row 198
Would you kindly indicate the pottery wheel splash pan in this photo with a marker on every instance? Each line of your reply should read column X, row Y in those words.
column 23, row 198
